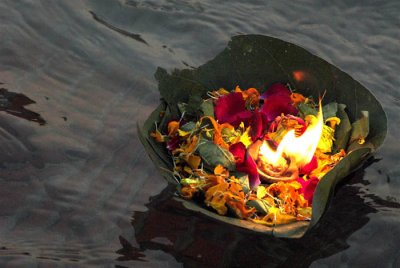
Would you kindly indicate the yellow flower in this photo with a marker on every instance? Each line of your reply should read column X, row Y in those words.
column 333, row 122
column 326, row 141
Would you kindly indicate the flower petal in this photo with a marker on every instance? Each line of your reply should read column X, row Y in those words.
column 245, row 163
column 308, row 187
column 239, row 152
column 308, row 168
column 173, row 143
column 276, row 89
column 258, row 124
column 277, row 101
column 231, row 109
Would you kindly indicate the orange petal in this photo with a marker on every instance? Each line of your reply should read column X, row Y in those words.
column 188, row 191
column 157, row 136
column 194, row 161
column 220, row 170
column 240, row 209
column 297, row 98
column 191, row 144
column 215, row 197
column 218, row 140
column 173, row 127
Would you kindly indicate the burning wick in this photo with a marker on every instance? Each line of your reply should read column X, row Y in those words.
column 292, row 152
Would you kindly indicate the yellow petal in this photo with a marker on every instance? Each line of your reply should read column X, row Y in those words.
column 275, row 217
column 245, row 138
column 333, row 121
column 261, row 192
column 182, row 133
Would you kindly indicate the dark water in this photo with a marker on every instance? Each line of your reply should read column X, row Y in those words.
column 79, row 190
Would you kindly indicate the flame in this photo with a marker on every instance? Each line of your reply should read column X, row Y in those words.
column 300, row 149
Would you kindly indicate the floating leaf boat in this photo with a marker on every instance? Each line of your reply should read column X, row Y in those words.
column 257, row 61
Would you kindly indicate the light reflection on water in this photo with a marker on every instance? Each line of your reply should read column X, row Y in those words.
column 69, row 188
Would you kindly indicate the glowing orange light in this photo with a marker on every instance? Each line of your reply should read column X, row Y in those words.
column 299, row 75
column 299, row 149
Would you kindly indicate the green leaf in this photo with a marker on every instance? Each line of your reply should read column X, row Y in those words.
column 207, row 108
column 182, row 107
column 213, row 155
column 360, row 129
column 193, row 107
column 260, row 205
column 179, row 86
column 243, row 180
column 189, row 126
column 343, row 130
column 330, row 110
column 306, row 109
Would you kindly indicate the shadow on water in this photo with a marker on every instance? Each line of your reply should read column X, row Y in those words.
column 195, row 240
column 13, row 103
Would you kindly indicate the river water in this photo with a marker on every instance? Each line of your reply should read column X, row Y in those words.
column 76, row 187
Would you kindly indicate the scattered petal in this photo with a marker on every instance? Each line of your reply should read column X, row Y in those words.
column 277, row 101
column 308, row 187
column 308, row 168
column 231, row 109
column 245, row 163
column 173, row 127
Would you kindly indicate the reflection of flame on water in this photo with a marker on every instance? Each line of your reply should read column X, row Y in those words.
column 299, row 150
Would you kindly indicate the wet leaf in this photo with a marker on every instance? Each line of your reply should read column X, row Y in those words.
column 360, row 129
column 213, row 155
column 243, row 181
column 261, row 206
column 329, row 110
column 343, row 130
column 207, row 108
column 193, row 107
column 306, row 109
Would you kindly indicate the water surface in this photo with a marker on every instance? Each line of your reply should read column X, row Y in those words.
column 78, row 190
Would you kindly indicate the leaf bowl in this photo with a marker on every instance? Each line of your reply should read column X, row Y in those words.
column 257, row 61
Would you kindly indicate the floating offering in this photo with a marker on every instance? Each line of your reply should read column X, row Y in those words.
column 259, row 136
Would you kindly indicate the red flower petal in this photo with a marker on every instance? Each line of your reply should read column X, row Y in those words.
column 173, row 143
column 277, row 101
column 276, row 89
column 231, row 109
column 239, row 152
column 258, row 123
column 245, row 163
column 308, row 187
column 306, row 169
